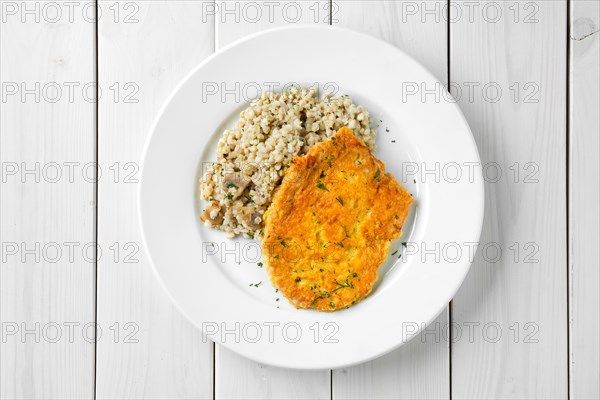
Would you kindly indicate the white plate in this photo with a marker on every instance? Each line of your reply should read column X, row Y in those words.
column 213, row 290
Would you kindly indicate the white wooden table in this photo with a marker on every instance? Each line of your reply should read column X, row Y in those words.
column 526, row 319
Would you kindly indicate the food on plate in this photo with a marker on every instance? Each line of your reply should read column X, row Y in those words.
column 253, row 155
column 330, row 224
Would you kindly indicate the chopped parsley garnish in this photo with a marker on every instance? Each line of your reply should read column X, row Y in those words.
column 260, row 264
column 283, row 243
column 320, row 185
column 340, row 244
column 394, row 253
column 377, row 176
column 343, row 285
column 256, row 284
column 404, row 244
column 298, row 279
column 231, row 185
column 323, row 295
column 229, row 196
column 322, row 175
column 339, row 199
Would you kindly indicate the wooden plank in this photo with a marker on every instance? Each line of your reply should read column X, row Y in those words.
column 145, row 49
column 47, row 130
column 584, row 198
column 235, row 376
column 420, row 368
column 512, row 308
column 239, row 378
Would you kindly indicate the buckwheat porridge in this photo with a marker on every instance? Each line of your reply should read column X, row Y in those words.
column 252, row 156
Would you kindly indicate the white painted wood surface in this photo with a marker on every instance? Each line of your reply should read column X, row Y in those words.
column 522, row 295
column 146, row 51
column 43, row 214
column 145, row 48
column 43, row 290
column 419, row 369
column 584, row 200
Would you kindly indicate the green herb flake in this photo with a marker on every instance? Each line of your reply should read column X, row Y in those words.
column 298, row 279
column 343, row 285
column 322, row 175
column 340, row 244
column 394, row 253
column 404, row 244
column 339, row 199
column 377, row 176
column 320, row 185
column 231, row 185
column 256, row 284
column 260, row 264
column 283, row 243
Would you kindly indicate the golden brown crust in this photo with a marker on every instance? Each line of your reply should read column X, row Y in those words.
column 330, row 224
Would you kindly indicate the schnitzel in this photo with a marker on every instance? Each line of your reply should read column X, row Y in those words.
column 331, row 223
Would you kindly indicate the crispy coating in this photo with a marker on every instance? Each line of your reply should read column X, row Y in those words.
column 331, row 223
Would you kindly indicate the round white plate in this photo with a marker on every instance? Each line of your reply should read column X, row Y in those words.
column 425, row 143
